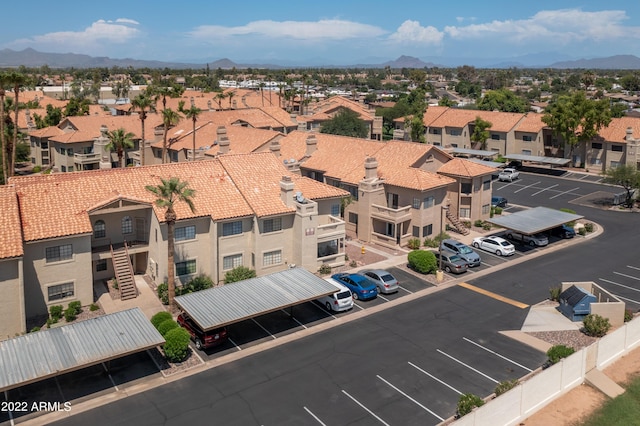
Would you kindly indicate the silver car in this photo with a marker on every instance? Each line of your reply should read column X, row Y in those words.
column 539, row 240
column 451, row 262
column 384, row 281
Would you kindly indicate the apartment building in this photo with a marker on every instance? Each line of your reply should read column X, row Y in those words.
column 249, row 210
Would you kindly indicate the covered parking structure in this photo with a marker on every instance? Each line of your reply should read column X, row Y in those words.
column 551, row 161
column 480, row 156
column 47, row 353
column 220, row 306
column 533, row 221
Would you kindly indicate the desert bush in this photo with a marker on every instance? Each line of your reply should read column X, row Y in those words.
column 628, row 315
column 34, row 329
column 93, row 307
column 422, row 261
column 497, row 210
column 413, row 243
column 589, row 227
column 176, row 347
column 582, row 231
column 486, row 226
column 37, row 169
column 505, row 386
column 554, row 293
column 557, row 352
column 441, row 236
column 238, row 274
column 201, row 282
column 55, row 312
column 478, row 223
column 467, row 402
column 70, row 314
column 167, row 325
column 466, row 223
column 76, row 306
column 353, row 264
column 160, row 317
column 114, row 283
column 573, row 222
column 430, row 242
column 596, row 325
column 163, row 293
column 324, row 269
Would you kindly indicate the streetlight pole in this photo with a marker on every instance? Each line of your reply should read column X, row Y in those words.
column 442, row 221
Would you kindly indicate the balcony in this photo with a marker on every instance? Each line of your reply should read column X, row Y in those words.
column 334, row 228
column 86, row 158
column 388, row 214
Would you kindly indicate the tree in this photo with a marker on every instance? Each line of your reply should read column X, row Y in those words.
column 577, row 119
column 169, row 193
column 230, row 96
column 480, row 133
column 119, row 141
column 142, row 104
column 415, row 123
column 169, row 118
column 193, row 113
column 346, row 123
column 220, row 96
column 239, row 273
column 4, row 81
column 17, row 81
column 628, row 177
column 502, row 100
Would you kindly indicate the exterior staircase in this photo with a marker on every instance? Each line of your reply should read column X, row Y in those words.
column 457, row 225
column 124, row 273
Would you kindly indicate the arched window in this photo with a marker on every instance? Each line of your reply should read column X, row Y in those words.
column 99, row 229
column 127, row 225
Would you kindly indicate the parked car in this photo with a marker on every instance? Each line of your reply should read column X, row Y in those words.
column 451, row 262
column 508, row 175
column 539, row 240
column 341, row 300
column 385, row 282
column 563, row 231
column 515, row 164
column 202, row 339
column 361, row 287
column 499, row 202
column 493, row 244
column 464, row 251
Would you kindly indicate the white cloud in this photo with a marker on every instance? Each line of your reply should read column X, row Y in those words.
column 412, row 32
column 330, row 29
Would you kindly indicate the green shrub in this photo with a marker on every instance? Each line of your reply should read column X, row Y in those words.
column 413, row 243
column 554, row 293
column 56, row 312
column 346, row 257
column 596, row 325
column 37, row 169
column 441, row 236
column 324, row 269
column 114, row 283
column 93, row 307
column 467, row 403
column 34, row 329
column 163, row 293
column 430, row 242
column 201, row 282
column 497, row 210
column 50, row 321
column 505, row 386
column 628, row 315
column 557, row 352
column 486, row 226
column 353, row 264
column 478, row 223
column 573, row 222
column 160, row 317
column 176, row 347
column 466, row 223
column 238, row 274
column 582, row 231
column 588, row 227
column 76, row 306
column 422, row 261
column 492, row 211
column 167, row 325
column 70, row 314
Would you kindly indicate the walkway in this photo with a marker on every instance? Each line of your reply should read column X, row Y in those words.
column 147, row 301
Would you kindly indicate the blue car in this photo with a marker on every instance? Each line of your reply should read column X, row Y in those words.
column 360, row 286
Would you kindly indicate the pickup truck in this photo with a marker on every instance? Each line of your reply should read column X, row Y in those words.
column 508, row 174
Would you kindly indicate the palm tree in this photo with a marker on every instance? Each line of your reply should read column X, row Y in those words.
column 193, row 112
column 17, row 80
column 169, row 118
column 4, row 79
column 230, row 95
column 169, row 193
column 219, row 98
column 262, row 85
column 143, row 104
column 119, row 141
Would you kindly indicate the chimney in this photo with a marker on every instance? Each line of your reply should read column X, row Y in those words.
column 223, row 140
column 629, row 136
column 209, row 105
column 193, row 101
column 286, row 190
column 312, row 145
column 370, row 168
column 275, row 148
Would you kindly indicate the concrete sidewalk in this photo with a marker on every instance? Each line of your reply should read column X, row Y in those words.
column 147, row 301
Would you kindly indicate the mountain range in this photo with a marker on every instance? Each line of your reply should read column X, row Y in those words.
column 32, row 58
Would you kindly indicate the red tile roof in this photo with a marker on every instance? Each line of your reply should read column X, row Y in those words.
column 10, row 230
column 464, row 168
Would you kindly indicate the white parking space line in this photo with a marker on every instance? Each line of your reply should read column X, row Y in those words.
column 544, row 189
column 314, row 416
column 294, row 318
column 357, row 306
column 633, row 267
column 525, row 187
column 626, row 276
column 435, row 378
column 323, row 309
column 383, row 298
column 402, row 288
column 235, row 344
column 412, row 400
column 627, row 299
column 620, row 285
column 265, row 330
column 506, row 184
column 497, row 354
column 469, row 367
column 565, row 192
column 106, row 370
column 365, row 408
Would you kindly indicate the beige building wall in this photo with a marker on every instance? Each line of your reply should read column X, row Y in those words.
column 276, row 245
column 527, row 143
column 12, row 309
column 235, row 245
column 198, row 249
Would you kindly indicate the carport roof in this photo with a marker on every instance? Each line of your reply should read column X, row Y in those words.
column 534, row 220
column 219, row 306
column 46, row 353
column 478, row 152
column 554, row 161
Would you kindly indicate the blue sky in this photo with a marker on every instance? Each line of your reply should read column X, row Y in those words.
column 329, row 32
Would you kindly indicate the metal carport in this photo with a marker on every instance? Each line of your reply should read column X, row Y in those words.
column 552, row 161
column 230, row 303
column 47, row 353
column 534, row 220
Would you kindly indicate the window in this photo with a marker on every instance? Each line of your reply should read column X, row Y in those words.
column 63, row 168
column 335, row 210
column 616, row 148
column 614, row 164
column 486, row 185
column 486, row 209
column 526, row 152
column 353, row 218
column 596, row 145
column 455, row 132
column 465, row 188
column 185, row 268
column 495, row 137
column 272, row 258
column 416, row 232
column 60, row 291
column 232, row 228
column 230, row 262
column 353, row 190
column 185, row 233
column 416, row 203
column 434, row 131
column 328, row 248
column 44, row 145
column 465, row 212
column 527, row 138
column 99, row 229
column 58, row 253
column 101, row 265
column 127, row 225
column 427, row 230
column 70, row 152
column 272, row 225
column 429, row 202
column 70, row 168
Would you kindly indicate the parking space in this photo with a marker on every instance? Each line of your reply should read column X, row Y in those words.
column 625, row 284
